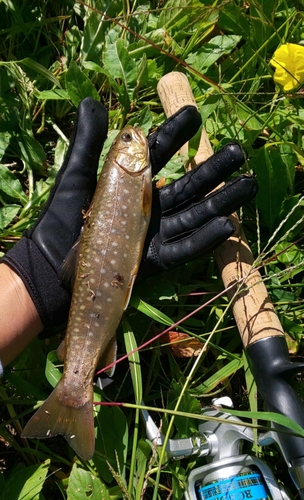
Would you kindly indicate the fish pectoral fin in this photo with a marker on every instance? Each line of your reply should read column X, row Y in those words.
column 108, row 357
column 146, row 201
column 67, row 271
column 129, row 291
column 61, row 351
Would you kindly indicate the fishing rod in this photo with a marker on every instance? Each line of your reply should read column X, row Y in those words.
column 259, row 326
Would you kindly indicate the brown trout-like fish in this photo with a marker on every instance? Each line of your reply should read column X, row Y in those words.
column 110, row 251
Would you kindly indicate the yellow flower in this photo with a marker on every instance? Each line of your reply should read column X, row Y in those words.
column 288, row 61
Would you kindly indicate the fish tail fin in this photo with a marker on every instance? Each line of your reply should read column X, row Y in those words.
column 75, row 423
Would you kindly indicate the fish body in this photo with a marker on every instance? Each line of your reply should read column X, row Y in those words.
column 110, row 251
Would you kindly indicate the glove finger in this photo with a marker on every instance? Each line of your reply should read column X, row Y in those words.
column 199, row 242
column 172, row 135
column 222, row 202
column 61, row 219
column 202, row 179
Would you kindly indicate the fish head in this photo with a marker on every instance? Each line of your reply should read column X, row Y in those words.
column 131, row 150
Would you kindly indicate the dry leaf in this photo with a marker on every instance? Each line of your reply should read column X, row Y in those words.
column 182, row 345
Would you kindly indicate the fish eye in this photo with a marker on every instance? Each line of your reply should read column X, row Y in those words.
column 126, row 137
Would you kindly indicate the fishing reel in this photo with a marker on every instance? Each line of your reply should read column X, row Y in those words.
column 227, row 473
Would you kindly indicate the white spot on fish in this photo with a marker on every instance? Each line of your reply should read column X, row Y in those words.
column 125, row 255
column 92, row 280
column 90, row 334
column 123, row 222
column 126, row 191
column 98, row 294
column 72, row 437
column 109, row 299
column 113, row 261
column 48, row 433
column 103, row 270
column 97, row 260
column 96, row 324
column 82, row 307
column 106, row 284
column 127, row 237
column 114, row 243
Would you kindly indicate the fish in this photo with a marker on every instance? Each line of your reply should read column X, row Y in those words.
column 108, row 258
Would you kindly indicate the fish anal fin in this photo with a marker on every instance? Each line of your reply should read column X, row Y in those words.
column 75, row 423
column 108, row 357
column 129, row 289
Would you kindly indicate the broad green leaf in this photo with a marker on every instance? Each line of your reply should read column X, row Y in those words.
column 32, row 153
column 291, row 214
column 57, row 94
column 273, row 182
column 189, row 404
column 78, row 85
column 26, row 483
column 52, row 372
column 4, row 142
column 119, row 63
column 60, row 152
column 83, row 484
column 95, row 67
column 10, row 185
column 289, row 254
column 111, row 442
column 212, row 51
column 7, row 214
column 143, row 120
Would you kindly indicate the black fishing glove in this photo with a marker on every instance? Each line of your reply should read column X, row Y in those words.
column 185, row 223
column 38, row 256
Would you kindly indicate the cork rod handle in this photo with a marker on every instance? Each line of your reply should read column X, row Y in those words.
column 252, row 308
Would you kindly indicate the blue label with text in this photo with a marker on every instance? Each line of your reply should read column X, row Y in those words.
column 242, row 487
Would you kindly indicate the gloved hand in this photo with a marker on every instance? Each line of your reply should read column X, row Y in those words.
column 176, row 234
column 186, row 223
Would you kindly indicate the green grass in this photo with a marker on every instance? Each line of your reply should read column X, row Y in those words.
column 52, row 54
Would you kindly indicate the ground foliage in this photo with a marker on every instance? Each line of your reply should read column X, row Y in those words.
column 53, row 54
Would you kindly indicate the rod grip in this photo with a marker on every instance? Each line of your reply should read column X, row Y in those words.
column 252, row 308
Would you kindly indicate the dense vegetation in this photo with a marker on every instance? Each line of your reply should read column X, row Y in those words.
column 53, row 54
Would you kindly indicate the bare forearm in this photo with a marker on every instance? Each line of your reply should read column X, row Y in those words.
column 19, row 319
